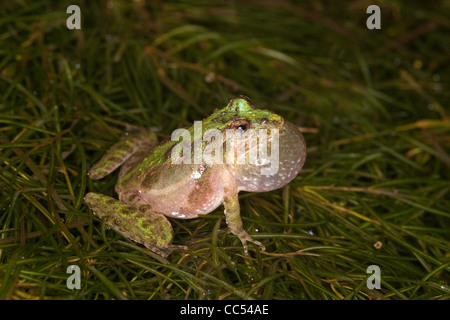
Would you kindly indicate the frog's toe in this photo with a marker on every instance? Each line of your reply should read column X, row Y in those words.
column 259, row 244
column 245, row 237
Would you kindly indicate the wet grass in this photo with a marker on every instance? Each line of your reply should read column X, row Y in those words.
column 373, row 106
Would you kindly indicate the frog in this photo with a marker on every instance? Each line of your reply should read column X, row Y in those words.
column 161, row 181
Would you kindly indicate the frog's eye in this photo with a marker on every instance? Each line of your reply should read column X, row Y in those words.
column 240, row 124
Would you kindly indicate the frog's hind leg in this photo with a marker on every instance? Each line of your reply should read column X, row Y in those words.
column 147, row 140
column 142, row 225
column 136, row 141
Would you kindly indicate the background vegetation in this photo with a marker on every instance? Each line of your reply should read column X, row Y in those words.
column 373, row 106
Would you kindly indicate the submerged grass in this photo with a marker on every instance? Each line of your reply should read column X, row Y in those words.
column 373, row 106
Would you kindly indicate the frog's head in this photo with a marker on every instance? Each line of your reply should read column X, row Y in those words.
column 260, row 149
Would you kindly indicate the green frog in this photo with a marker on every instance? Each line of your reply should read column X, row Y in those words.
column 216, row 158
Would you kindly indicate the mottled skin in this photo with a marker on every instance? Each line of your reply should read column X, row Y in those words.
column 153, row 185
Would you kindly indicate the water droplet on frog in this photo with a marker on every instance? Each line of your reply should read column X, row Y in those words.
column 196, row 175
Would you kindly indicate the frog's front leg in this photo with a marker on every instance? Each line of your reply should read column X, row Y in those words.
column 142, row 225
column 131, row 148
column 233, row 218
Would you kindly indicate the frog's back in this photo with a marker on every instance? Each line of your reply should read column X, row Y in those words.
column 136, row 169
